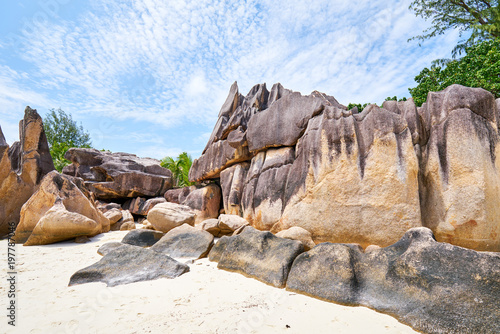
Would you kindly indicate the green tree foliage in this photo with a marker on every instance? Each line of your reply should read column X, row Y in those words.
column 480, row 67
column 395, row 98
column 360, row 106
column 62, row 134
column 179, row 168
column 478, row 18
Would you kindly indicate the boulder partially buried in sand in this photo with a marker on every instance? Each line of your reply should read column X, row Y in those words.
column 59, row 224
column 142, row 237
column 125, row 264
column 434, row 287
column 185, row 241
column 59, row 210
column 260, row 255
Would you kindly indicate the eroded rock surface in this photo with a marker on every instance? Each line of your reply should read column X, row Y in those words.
column 204, row 200
column 287, row 160
column 22, row 167
column 460, row 180
column 313, row 164
column 118, row 175
column 300, row 234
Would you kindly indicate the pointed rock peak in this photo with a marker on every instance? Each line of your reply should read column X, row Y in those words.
column 30, row 114
column 255, row 89
column 277, row 92
column 232, row 101
column 3, row 142
column 257, row 97
column 329, row 100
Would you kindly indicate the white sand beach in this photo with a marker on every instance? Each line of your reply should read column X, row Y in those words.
column 204, row 300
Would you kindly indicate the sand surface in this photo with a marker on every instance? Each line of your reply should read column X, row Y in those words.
column 205, row 300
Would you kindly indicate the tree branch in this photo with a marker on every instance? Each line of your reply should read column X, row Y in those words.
column 476, row 15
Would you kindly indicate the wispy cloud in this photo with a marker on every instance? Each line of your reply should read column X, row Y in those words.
column 170, row 64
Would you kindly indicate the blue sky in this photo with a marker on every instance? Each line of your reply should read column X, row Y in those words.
column 149, row 76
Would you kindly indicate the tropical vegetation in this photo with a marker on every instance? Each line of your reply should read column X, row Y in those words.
column 179, row 168
column 62, row 134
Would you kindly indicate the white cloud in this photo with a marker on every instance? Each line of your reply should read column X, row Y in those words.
column 172, row 63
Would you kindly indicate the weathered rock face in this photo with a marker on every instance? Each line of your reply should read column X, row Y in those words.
column 359, row 178
column 123, row 264
column 434, row 287
column 205, row 201
column 314, row 165
column 118, row 175
column 178, row 195
column 59, row 210
column 228, row 224
column 460, row 179
column 114, row 215
column 22, row 167
column 257, row 254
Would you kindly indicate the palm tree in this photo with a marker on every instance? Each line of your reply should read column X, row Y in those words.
column 179, row 168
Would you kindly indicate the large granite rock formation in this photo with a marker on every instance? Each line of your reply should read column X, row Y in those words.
column 434, row 287
column 22, row 167
column 312, row 164
column 118, row 175
column 61, row 209
column 288, row 160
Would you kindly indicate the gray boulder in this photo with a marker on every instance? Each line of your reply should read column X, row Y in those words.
column 433, row 287
column 185, row 242
column 260, row 255
column 219, row 248
column 128, row 264
column 108, row 247
column 142, row 237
